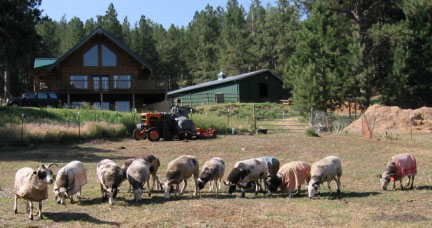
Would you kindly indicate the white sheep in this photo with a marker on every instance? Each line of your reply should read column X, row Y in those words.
column 325, row 170
column 180, row 170
column 32, row 185
column 69, row 181
column 137, row 174
column 110, row 177
column 212, row 171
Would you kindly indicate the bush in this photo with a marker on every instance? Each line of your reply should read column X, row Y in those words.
column 312, row 133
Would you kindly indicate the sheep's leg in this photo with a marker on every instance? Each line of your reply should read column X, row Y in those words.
column 330, row 191
column 103, row 193
column 220, row 184
column 184, row 187
column 176, row 190
column 30, row 205
column 412, row 182
column 257, row 187
column 158, row 184
column 211, row 186
column 148, row 188
column 394, row 184
column 298, row 190
column 79, row 194
column 338, row 183
column 15, row 205
column 243, row 191
column 71, row 198
column 402, row 187
column 196, row 191
column 409, row 181
column 40, row 210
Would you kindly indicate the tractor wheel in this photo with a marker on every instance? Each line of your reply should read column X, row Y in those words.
column 153, row 135
column 138, row 135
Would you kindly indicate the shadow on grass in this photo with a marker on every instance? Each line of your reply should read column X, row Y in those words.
column 423, row 187
column 67, row 217
column 342, row 195
column 58, row 153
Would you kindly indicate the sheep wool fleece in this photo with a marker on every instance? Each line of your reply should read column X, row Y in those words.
column 294, row 174
column 405, row 165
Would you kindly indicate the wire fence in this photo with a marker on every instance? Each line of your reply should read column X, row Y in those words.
column 323, row 121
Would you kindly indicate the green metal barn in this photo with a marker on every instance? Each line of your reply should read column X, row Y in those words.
column 257, row 86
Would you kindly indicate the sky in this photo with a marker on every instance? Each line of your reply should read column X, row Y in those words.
column 165, row 12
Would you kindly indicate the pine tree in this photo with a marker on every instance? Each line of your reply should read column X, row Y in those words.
column 110, row 22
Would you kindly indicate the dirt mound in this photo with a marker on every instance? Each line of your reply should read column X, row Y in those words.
column 393, row 119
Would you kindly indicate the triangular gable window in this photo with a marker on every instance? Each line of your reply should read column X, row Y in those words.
column 109, row 59
column 91, row 57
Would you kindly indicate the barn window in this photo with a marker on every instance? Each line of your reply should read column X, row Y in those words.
column 219, row 98
column 91, row 57
column 263, row 91
column 109, row 59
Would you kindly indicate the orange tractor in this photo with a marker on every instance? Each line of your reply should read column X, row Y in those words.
column 168, row 126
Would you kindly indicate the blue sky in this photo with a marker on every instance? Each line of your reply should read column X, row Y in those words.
column 165, row 12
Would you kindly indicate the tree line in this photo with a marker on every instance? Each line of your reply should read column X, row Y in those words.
column 328, row 52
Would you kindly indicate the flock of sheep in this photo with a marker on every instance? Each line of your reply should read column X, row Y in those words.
column 32, row 185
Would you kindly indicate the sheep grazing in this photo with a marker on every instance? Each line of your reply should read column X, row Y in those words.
column 180, row 170
column 213, row 171
column 110, row 177
column 325, row 170
column 32, row 185
column 290, row 176
column 137, row 174
column 246, row 171
column 154, row 166
column 272, row 165
column 397, row 168
column 69, row 181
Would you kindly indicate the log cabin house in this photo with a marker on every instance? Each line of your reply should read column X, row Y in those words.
column 101, row 72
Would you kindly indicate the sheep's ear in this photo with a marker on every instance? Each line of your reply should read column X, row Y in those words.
column 34, row 172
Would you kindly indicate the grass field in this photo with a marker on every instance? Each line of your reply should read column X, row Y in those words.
column 362, row 203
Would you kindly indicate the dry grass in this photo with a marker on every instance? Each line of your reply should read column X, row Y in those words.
column 363, row 203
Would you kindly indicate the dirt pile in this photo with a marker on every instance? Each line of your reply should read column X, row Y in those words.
column 393, row 119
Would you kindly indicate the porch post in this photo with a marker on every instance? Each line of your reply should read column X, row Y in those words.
column 101, row 100
column 133, row 101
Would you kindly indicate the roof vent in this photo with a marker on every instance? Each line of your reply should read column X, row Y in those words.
column 221, row 75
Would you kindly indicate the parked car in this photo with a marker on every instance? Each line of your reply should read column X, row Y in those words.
column 36, row 99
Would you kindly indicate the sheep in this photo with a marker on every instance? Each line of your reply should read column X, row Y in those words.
column 32, row 185
column 213, row 170
column 137, row 174
column 397, row 168
column 69, row 181
column 154, row 166
column 180, row 170
column 272, row 165
column 110, row 177
column 290, row 176
column 250, row 170
column 325, row 170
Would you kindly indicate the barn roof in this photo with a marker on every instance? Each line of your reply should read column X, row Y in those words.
column 51, row 62
column 222, row 81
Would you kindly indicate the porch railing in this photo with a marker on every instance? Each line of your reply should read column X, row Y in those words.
column 111, row 85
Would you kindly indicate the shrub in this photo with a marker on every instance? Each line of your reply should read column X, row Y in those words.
column 312, row 133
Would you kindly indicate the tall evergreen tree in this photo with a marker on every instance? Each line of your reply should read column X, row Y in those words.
column 47, row 29
column 18, row 39
column 234, row 56
column 110, row 22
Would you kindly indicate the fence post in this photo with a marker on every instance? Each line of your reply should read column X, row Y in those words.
column 208, row 98
column 190, row 99
column 254, row 119
column 311, row 118
column 22, row 128
column 228, row 115
column 79, row 126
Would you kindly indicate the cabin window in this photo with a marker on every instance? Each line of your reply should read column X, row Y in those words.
column 91, row 57
column 42, row 96
column 105, row 105
column 100, row 83
column 122, row 81
column 78, row 82
column 122, row 106
column 109, row 59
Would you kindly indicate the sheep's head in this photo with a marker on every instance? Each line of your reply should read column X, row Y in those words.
column 312, row 189
column 385, row 180
column 138, row 194
column 231, row 186
column 61, row 195
column 168, row 188
column 274, row 183
column 45, row 174
column 201, row 183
